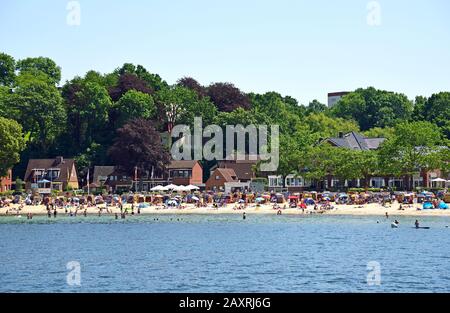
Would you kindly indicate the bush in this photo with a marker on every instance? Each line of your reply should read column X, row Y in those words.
column 7, row 193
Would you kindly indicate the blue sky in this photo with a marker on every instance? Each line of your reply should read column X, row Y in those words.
column 300, row 48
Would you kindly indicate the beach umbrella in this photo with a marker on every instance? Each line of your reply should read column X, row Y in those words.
column 157, row 188
column 192, row 187
column 170, row 187
column 180, row 188
column 438, row 180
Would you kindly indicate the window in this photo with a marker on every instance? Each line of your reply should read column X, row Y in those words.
column 217, row 177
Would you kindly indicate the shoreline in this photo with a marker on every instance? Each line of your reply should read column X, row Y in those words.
column 373, row 209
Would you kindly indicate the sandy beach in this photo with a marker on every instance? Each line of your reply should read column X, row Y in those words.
column 374, row 209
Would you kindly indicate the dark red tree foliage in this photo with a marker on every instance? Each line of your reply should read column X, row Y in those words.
column 192, row 84
column 138, row 144
column 227, row 97
column 128, row 82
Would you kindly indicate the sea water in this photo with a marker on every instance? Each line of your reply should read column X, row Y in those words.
column 224, row 253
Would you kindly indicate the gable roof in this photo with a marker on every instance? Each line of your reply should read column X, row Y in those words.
column 242, row 169
column 64, row 165
column 102, row 171
column 182, row 164
column 227, row 173
column 355, row 141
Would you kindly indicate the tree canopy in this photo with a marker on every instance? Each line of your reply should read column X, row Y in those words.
column 99, row 112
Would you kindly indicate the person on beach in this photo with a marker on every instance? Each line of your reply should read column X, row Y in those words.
column 85, row 212
column 49, row 214
column 116, row 216
column 416, row 223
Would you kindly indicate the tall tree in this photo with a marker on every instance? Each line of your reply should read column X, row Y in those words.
column 414, row 147
column 133, row 104
column 87, row 106
column 7, row 69
column 40, row 110
column 436, row 109
column 128, row 82
column 139, row 145
column 40, row 65
column 227, row 97
column 192, row 84
column 316, row 107
column 12, row 144
column 374, row 108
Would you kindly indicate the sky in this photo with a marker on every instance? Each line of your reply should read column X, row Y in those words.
column 304, row 49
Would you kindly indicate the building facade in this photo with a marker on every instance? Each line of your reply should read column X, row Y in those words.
column 44, row 175
column 6, row 182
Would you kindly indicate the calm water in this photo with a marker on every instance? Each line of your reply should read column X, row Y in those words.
column 223, row 254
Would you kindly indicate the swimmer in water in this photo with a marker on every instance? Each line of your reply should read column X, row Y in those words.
column 387, row 215
column 243, row 216
column 416, row 223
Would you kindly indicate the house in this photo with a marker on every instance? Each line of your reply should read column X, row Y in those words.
column 351, row 140
column 219, row 177
column 117, row 181
column 177, row 172
column 185, row 173
column 334, row 97
column 44, row 175
column 355, row 141
column 244, row 169
column 6, row 182
column 101, row 174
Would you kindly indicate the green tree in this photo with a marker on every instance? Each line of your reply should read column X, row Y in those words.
column 437, row 110
column 40, row 65
column 12, row 144
column 374, row 108
column 87, row 104
column 7, row 69
column 378, row 132
column 132, row 105
column 39, row 108
column 415, row 146
column 325, row 126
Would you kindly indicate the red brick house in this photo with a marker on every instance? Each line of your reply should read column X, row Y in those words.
column 6, row 182
column 219, row 177
column 185, row 173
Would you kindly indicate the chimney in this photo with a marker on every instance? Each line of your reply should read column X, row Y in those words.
column 341, row 134
column 59, row 160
